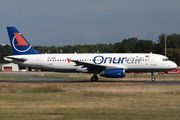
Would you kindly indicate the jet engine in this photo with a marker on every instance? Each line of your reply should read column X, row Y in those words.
column 113, row 73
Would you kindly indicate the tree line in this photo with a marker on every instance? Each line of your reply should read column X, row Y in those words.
column 130, row 45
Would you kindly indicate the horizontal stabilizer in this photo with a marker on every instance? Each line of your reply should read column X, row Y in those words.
column 13, row 58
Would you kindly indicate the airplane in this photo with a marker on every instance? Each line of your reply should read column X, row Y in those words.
column 110, row 65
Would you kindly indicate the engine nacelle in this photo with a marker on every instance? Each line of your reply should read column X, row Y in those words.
column 113, row 73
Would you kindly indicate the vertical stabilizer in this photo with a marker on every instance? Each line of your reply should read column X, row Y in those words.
column 19, row 44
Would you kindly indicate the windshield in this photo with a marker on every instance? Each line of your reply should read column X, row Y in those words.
column 166, row 59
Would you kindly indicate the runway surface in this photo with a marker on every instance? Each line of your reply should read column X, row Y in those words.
column 33, row 78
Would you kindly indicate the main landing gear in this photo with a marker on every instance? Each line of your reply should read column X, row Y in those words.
column 94, row 77
column 152, row 75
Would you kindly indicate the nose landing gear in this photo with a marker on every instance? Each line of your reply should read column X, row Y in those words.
column 152, row 75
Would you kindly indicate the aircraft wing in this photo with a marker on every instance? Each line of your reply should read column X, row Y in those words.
column 90, row 66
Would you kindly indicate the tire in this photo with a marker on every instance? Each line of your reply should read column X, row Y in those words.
column 94, row 78
column 153, row 79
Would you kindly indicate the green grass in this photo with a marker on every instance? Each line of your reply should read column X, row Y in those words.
column 97, row 101
column 6, row 77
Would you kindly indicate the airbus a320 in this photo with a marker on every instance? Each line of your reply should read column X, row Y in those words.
column 111, row 65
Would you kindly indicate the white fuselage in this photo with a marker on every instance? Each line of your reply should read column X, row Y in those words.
column 131, row 62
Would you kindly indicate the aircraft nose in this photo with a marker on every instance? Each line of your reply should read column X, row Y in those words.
column 173, row 65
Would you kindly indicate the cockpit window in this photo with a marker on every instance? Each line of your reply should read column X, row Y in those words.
column 166, row 59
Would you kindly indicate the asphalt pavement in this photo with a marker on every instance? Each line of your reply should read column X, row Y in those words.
column 38, row 77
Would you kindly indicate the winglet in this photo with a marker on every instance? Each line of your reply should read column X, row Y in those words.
column 69, row 60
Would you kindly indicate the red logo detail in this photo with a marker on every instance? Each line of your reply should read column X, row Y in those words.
column 20, row 40
column 69, row 60
column 146, row 56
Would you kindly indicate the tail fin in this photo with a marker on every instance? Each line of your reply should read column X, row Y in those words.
column 19, row 44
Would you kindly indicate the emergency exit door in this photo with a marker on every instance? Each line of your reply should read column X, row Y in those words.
column 153, row 60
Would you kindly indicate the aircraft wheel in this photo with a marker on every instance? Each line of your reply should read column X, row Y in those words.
column 153, row 79
column 94, row 78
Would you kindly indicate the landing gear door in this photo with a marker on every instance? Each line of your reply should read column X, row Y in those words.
column 153, row 60
column 39, row 61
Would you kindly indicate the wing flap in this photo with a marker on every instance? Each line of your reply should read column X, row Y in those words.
column 90, row 66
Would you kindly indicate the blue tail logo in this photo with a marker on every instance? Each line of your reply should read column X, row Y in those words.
column 19, row 44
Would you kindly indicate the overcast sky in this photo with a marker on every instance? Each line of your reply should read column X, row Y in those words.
column 42, row 22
